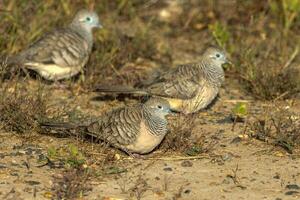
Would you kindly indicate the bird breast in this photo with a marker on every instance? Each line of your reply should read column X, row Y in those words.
column 145, row 141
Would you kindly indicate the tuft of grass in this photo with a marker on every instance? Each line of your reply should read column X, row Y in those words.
column 140, row 187
column 287, row 11
column 72, row 184
column 75, row 157
column 20, row 109
column 119, row 47
column 280, row 127
column 181, row 137
column 240, row 110
column 69, row 157
column 239, row 113
column 220, row 34
column 268, row 72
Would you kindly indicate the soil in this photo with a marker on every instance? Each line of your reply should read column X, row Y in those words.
column 237, row 167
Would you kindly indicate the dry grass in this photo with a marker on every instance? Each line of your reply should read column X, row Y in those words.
column 140, row 36
column 21, row 109
column 71, row 184
column 268, row 71
column 136, row 30
column 280, row 127
column 266, row 53
column 182, row 137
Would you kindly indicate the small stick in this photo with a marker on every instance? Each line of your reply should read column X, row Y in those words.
column 236, row 101
column 291, row 59
column 177, row 158
column 281, row 96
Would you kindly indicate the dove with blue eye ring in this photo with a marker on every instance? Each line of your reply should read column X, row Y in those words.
column 61, row 53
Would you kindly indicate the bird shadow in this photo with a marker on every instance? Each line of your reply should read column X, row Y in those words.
column 119, row 97
column 214, row 101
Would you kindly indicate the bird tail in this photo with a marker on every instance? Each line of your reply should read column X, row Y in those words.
column 62, row 125
column 13, row 60
column 63, row 129
column 120, row 90
column 8, row 66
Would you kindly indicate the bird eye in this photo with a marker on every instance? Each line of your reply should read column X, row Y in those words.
column 88, row 19
column 159, row 107
column 218, row 55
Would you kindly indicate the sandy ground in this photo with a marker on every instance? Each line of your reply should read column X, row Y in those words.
column 241, row 168
column 237, row 167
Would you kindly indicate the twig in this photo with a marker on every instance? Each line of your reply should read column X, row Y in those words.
column 96, row 153
column 177, row 158
column 291, row 59
column 150, row 3
column 190, row 18
column 281, row 96
column 234, row 123
column 236, row 101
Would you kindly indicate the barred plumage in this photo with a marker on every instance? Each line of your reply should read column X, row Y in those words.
column 63, row 52
column 136, row 129
column 188, row 88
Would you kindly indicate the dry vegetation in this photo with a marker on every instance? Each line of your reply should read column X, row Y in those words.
column 280, row 127
column 72, row 184
column 21, row 108
column 262, row 39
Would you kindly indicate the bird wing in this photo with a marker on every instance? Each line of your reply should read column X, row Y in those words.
column 63, row 47
column 183, row 82
column 119, row 128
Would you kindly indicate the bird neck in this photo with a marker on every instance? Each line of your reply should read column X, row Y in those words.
column 212, row 72
column 83, row 31
column 156, row 125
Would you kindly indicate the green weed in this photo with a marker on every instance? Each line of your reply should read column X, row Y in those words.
column 220, row 34
column 70, row 156
column 288, row 11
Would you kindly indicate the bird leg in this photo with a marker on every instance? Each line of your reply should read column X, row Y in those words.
column 133, row 155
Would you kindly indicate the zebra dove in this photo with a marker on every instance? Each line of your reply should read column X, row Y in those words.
column 137, row 129
column 63, row 52
column 188, row 88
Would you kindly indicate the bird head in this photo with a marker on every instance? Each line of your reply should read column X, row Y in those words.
column 216, row 55
column 158, row 106
column 87, row 19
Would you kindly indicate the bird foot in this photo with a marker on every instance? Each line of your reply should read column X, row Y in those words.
column 60, row 86
column 134, row 155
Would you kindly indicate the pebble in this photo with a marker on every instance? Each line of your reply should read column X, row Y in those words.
column 292, row 187
column 187, row 191
column 169, row 169
column 236, row 140
column 2, row 166
column 291, row 192
column 277, row 176
column 186, row 163
column 14, row 174
column 32, row 182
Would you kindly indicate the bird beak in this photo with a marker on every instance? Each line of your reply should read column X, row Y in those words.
column 229, row 62
column 171, row 111
column 99, row 26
